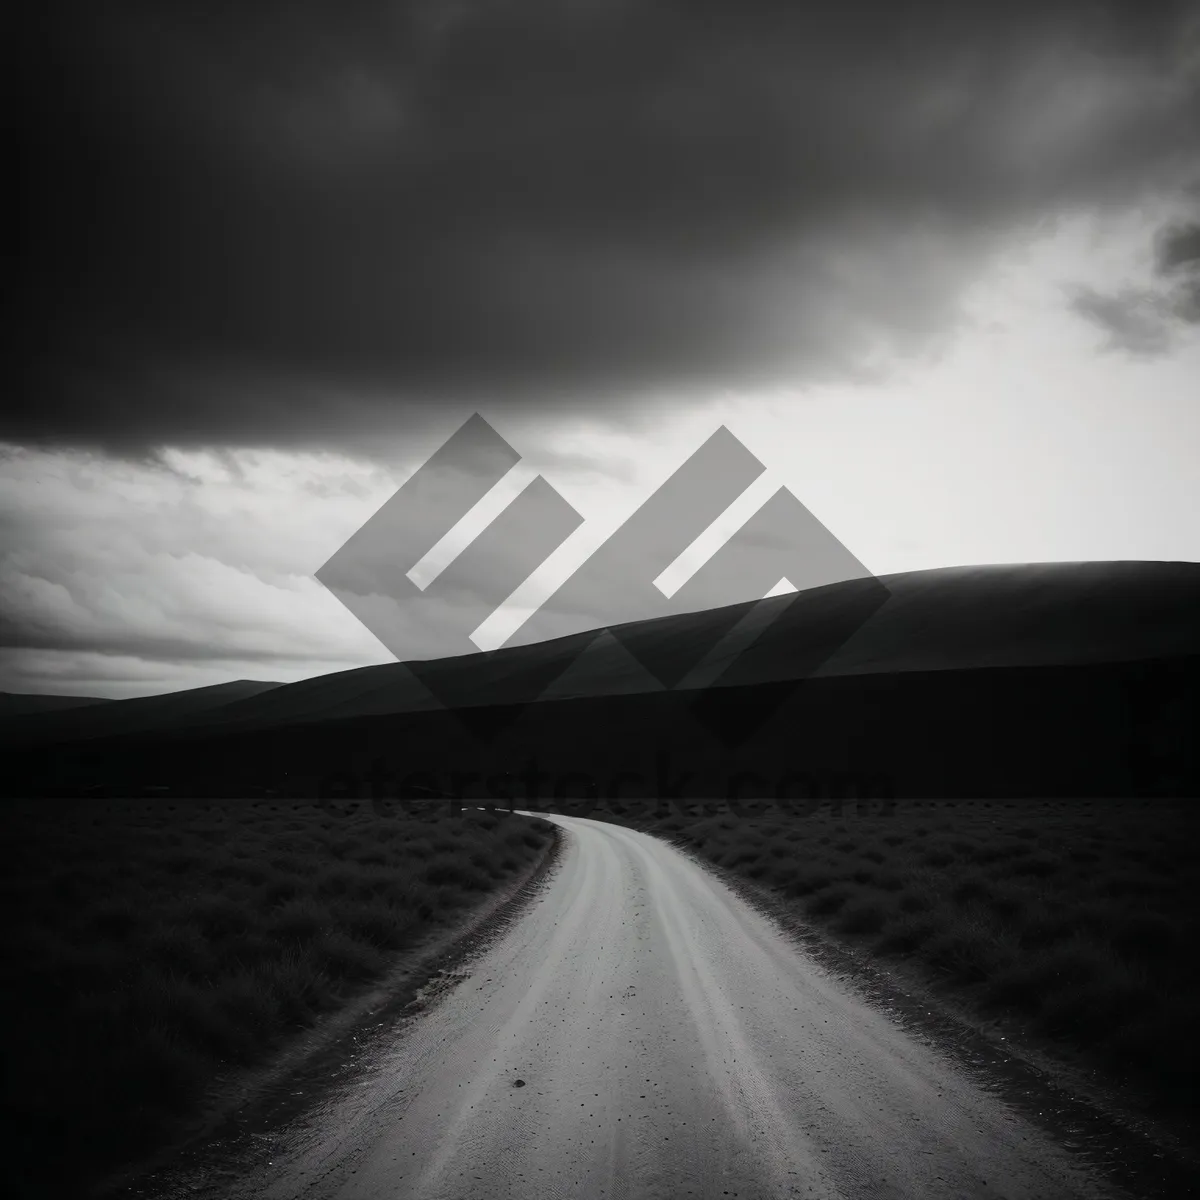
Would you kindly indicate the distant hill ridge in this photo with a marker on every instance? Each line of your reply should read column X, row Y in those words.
column 103, row 718
column 20, row 704
column 946, row 619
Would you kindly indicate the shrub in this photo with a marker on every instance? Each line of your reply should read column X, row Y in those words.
column 828, row 902
column 862, row 917
column 803, row 883
column 972, row 887
column 906, row 935
column 964, row 952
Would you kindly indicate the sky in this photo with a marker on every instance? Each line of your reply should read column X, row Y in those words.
column 936, row 267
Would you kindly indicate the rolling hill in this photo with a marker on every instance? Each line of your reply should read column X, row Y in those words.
column 1021, row 676
column 108, row 718
column 23, row 704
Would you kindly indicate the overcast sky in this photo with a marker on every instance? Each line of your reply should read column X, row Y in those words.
column 937, row 266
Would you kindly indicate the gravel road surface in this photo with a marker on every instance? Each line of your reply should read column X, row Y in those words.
column 642, row 1032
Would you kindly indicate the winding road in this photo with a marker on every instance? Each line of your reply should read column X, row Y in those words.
column 642, row 1032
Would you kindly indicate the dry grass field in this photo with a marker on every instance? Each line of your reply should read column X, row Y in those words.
column 1077, row 919
column 151, row 947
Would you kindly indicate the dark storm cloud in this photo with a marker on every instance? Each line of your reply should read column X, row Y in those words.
column 1146, row 321
column 1179, row 248
column 1135, row 320
column 1179, row 263
column 236, row 216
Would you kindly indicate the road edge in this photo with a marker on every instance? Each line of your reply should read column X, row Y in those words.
column 1146, row 1158
column 246, row 1104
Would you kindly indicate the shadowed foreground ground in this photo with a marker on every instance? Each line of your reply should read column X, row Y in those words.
column 154, row 950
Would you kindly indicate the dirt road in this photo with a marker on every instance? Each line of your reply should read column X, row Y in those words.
column 642, row 1032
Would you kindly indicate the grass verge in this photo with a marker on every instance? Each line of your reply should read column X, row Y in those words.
column 1076, row 921
column 151, row 949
